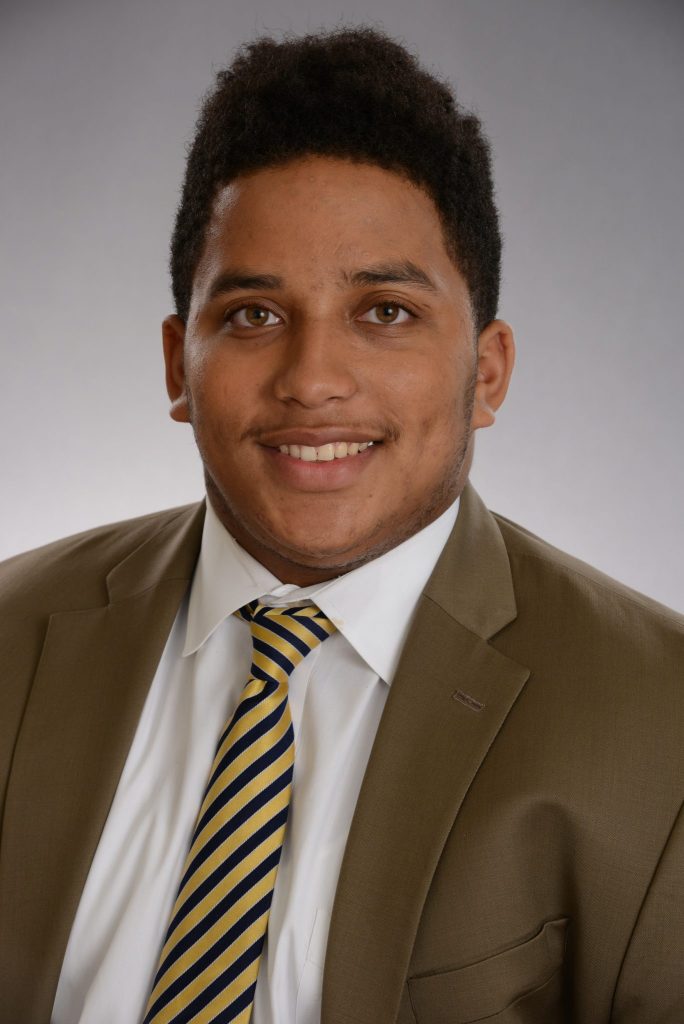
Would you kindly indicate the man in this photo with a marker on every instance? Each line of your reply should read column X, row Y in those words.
column 482, row 819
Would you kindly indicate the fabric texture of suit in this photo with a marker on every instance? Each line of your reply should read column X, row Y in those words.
column 517, row 851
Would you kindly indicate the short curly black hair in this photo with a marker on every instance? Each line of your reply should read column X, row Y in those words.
column 352, row 93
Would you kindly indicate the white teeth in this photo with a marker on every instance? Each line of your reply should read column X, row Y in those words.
column 325, row 452
column 290, row 449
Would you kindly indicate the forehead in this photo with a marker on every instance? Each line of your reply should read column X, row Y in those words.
column 324, row 215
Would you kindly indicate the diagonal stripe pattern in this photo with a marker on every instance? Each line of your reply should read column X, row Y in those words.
column 210, row 959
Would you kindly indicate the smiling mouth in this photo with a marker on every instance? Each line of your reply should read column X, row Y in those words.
column 326, row 452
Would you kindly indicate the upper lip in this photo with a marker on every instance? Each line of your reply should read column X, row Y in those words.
column 315, row 437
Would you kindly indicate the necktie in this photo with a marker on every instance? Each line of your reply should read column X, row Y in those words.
column 209, row 963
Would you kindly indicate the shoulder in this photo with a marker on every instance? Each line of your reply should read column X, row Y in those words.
column 563, row 602
column 72, row 572
column 529, row 553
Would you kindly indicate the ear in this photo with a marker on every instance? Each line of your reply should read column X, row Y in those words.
column 173, row 339
column 495, row 358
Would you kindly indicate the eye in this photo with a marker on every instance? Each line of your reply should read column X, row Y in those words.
column 253, row 316
column 386, row 313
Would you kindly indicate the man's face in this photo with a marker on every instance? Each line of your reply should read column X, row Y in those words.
column 328, row 365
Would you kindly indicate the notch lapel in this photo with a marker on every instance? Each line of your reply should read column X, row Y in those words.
column 90, row 686
column 450, row 696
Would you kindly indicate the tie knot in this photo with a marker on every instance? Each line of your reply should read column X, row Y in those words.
column 282, row 637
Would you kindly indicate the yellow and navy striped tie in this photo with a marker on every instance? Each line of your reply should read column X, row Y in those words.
column 209, row 963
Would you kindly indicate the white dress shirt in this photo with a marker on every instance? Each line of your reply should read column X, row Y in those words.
column 337, row 695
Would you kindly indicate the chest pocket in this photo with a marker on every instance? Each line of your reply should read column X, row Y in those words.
column 522, row 985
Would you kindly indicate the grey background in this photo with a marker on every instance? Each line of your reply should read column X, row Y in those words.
column 583, row 104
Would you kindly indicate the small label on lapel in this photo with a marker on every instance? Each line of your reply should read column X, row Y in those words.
column 470, row 702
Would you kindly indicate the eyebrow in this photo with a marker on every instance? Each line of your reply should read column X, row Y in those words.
column 232, row 281
column 404, row 272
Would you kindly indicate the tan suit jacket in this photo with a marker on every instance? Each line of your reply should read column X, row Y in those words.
column 517, row 851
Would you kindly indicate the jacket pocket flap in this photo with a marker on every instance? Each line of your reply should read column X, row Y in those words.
column 471, row 993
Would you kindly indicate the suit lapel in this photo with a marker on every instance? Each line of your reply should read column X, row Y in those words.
column 88, row 693
column 451, row 694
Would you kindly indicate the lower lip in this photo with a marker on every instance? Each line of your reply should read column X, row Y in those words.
column 320, row 476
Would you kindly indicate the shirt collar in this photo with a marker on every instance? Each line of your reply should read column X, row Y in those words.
column 372, row 606
column 226, row 578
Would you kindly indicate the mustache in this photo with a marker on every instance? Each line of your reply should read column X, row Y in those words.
column 385, row 429
column 369, row 428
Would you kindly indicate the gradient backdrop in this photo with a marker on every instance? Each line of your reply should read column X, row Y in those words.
column 583, row 101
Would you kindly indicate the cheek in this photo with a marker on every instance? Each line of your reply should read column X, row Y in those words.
column 435, row 399
column 219, row 399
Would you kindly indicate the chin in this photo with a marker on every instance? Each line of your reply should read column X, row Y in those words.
column 338, row 558
column 316, row 554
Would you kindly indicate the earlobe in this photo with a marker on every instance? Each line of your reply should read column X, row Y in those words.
column 173, row 340
column 495, row 359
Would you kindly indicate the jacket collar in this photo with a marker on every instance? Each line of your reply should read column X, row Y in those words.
column 169, row 554
column 472, row 580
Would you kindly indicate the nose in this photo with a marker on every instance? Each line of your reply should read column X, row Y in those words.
column 315, row 367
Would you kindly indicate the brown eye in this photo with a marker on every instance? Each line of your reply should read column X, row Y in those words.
column 386, row 313
column 253, row 316
column 256, row 315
